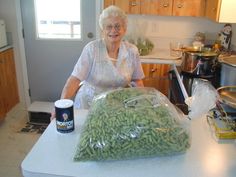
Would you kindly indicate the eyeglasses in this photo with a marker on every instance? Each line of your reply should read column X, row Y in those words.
column 117, row 27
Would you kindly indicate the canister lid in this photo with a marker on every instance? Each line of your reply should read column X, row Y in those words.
column 229, row 60
column 64, row 103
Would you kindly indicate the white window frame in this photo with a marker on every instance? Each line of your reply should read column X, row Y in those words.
column 55, row 22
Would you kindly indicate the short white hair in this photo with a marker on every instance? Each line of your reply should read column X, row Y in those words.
column 112, row 11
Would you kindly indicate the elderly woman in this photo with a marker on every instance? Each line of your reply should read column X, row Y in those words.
column 106, row 63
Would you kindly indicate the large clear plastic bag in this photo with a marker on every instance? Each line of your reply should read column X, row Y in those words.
column 203, row 99
column 132, row 123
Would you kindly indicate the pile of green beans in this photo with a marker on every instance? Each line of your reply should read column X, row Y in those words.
column 114, row 131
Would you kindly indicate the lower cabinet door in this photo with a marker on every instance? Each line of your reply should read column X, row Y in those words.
column 9, row 96
column 157, row 76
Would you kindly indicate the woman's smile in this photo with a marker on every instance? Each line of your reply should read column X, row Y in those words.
column 113, row 35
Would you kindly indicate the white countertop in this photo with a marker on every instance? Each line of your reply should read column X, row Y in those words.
column 52, row 156
column 160, row 56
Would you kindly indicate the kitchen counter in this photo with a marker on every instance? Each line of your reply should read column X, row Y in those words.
column 160, row 56
column 52, row 156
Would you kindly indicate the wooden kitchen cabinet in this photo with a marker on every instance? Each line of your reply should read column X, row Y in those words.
column 195, row 8
column 135, row 6
column 181, row 8
column 107, row 3
column 212, row 8
column 221, row 10
column 160, row 7
column 150, row 7
column 8, row 84
column 129, row 6
column 156, row 75
column 165, row 7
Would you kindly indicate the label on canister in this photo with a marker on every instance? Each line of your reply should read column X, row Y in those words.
column 64, row 115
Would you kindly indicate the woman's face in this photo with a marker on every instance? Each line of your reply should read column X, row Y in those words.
column 113, row 29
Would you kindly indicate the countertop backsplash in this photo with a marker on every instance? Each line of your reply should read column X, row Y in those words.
column 162, row 30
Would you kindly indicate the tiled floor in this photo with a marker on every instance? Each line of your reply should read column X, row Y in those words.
column 14, row 146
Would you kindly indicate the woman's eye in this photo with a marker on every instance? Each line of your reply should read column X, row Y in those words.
column 117, row 27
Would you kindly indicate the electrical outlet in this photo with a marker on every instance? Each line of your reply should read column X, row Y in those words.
column 154, row 27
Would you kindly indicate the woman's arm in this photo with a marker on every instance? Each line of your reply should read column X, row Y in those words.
column 71, row 87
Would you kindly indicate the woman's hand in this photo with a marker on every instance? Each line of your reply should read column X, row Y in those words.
column 71, row 87
column 53, row 115
column 138, row 83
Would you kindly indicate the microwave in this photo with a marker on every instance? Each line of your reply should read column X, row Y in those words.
column 3, row 34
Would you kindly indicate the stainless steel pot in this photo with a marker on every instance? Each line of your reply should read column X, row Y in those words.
column 228, row 70
column 228, row 95
column 199, row 63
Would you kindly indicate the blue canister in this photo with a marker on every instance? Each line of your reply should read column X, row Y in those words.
column 64, row 115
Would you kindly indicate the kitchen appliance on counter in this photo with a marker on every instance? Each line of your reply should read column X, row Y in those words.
column 199, row 63
column 3, row 36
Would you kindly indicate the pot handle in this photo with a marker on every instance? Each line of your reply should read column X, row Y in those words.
column 214, row 66
column 191, row 71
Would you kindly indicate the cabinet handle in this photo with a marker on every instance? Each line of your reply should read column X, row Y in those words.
column 180, row 5
column 153, row 70
column 213, row 9
column 166, row 4
column 133, row 3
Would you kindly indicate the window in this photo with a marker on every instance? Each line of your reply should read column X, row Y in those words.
column 58, row 19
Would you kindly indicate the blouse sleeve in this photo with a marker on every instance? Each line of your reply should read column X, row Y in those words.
column 138, row 70
column 83, row 66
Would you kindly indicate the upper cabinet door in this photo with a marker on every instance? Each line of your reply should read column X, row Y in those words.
column 107, row 3
column 129, row 6
column 160, row 7
column 195, row 8
column 222, row 11
column 212, row 9
column 165, row 7
column 134, row 6
column 138, row 6
column 149, row 7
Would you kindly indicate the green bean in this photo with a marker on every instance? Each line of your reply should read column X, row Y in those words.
column 113, row 131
